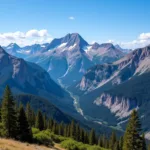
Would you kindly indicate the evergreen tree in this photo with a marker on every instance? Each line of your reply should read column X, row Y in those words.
column 61, row 128
column 113, row 140
column 116, row 146
column 29, row 114
column 81, row 135
column 65, row 130
column 100, row 141
column 8, row 114
column 72, row 130
column 86, row 140
column 121, row 142
column 143, row 143
column 68, row 131
column 39, row 121
column 24, row 130
column 33, row 116
column 77, row 136
column 45, row 121
column 92, row 137
column 132, row 139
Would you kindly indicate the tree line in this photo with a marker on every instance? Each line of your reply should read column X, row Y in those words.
column 17, row 122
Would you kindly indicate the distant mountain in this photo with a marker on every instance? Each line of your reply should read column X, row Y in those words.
column 67, row 58
column 12, row 48
column 122, row 49
column 112, row 91
column 26, row 77
column 25, row 51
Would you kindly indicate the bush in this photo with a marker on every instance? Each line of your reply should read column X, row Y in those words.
column 43, row 138
column 94, row 148
column 35, row 130
column 57, row 138
column 2, row 132
column 73, row 145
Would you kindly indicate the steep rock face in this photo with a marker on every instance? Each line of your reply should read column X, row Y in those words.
column 120, row 106
column 25, row 77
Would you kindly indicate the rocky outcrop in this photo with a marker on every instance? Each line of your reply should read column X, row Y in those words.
column 120, row 106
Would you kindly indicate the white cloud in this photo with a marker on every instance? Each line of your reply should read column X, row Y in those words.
column 25, row 38
column 141, row 41
column 144, row 36
column 72, row 18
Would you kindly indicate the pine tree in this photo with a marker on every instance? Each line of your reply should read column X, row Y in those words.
column 45, row 121
column 72, row 130
column 8, row 114
column 113, row 140
column 39, row 121
column 61, row 128
column 92, row 137
column 81, row 135
column 100, row 141
column 116, row 146
column 121, row 142
column 77, row 136
column 33, row 116
column 29, row 114
column 86, row 140
column 143, row 143
column 132, row 139
column 65, row 130
column 24, row 130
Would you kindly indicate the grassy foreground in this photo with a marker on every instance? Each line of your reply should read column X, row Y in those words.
column 9, row 144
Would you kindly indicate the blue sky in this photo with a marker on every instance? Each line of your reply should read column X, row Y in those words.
column 119, row 21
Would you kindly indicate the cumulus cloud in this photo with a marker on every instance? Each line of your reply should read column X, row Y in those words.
column 25, row 38
column 141, row 41
column 72, row 18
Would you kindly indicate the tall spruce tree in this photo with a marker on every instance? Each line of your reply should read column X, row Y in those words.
column 113, row 140
column 29, row 114
column 24, row 130
column 8, row 114
column 132, row 138
column 92, row 137
column 72, row 130
column 39, row 121
column 144, row 147
column 116, row 146
column 121, row 142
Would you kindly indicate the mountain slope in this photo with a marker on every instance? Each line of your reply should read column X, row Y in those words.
column 25, row 77
column 38, row 103
column 67, row 58
column 116, row 89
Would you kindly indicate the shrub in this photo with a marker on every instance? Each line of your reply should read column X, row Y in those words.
column 35, row 130
column 73, row 145
column 94, row 148
column 57, row 138
column 42, row 138
column 2, row 132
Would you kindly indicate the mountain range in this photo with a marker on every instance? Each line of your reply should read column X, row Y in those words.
column 103, row 82
column 66, row 59
column 112, row 91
